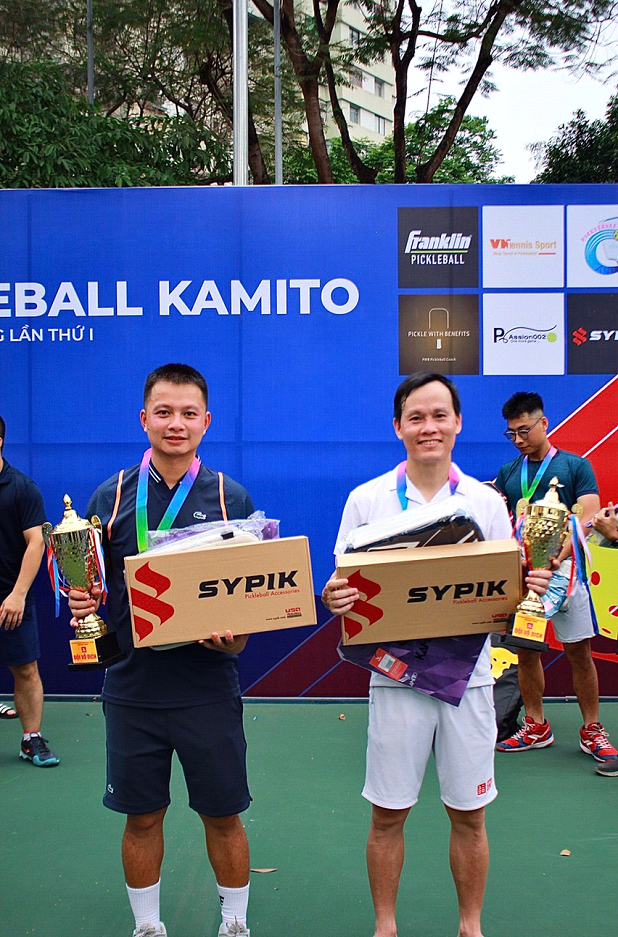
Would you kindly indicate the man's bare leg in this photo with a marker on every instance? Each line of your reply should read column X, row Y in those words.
column 142, row 849
column 228, row 850
column 585, row 679
column 28, row 695
column 469, row 857
column 531, row 683
column 385, row 855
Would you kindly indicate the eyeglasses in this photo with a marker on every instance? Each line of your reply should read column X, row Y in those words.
column 512, row 434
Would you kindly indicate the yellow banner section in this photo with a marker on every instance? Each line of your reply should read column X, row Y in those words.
column 604, row 588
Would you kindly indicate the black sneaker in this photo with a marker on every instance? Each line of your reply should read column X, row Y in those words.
column 36, row 750
column 608, row 769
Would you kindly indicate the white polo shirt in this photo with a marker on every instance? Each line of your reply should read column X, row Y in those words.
column 378, row 498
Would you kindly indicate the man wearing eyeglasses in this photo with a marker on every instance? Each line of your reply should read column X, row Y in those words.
column 528, row 477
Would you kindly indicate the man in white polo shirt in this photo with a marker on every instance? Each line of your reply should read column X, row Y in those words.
column 406, row 725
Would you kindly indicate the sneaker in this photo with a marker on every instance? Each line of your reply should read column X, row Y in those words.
column 609, row 769
column 594, row 741
column 531, row 735
column 234, row 930
column 37, row 751
column 150, row 930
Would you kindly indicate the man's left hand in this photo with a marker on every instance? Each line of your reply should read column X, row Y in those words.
column 227, row 643
column 538, row 580
column 12, row 612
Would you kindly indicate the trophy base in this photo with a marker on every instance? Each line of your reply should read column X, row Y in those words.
column 95, row 653
column 527, row 631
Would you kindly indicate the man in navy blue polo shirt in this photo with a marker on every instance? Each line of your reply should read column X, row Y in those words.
column 185, row 699
column 21, row 547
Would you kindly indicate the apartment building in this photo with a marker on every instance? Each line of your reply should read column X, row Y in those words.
column 368, row 102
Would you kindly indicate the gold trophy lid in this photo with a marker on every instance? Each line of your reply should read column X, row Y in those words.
column 72, row 522
column 552, row 498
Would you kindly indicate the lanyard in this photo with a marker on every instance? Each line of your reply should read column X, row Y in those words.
column 173, row 508
column 528, row 490
column 453, row 481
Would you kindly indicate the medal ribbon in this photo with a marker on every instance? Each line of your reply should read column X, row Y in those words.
column 453, row 481
column 528, row 490
column 173, row 508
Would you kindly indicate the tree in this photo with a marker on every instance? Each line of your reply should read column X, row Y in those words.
column 471, row 35
column 49, row 138
column 582, row 150
column 472, row 158
column 161, row 57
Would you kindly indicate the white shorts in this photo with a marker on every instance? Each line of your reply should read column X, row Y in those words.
column 574, row 621
column 405, row 726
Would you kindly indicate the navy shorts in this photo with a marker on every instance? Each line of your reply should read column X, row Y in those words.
column 209, row 741
column 21, row 645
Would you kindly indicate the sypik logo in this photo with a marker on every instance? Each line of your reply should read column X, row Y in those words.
column 364, row 609
column 580, row 336
column 150, row 603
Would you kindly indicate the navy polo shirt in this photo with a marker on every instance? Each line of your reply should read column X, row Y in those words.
column 183, row 676
column 21, row 507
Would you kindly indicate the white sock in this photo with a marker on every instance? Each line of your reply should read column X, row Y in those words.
column 145, row 904
column 234, row 902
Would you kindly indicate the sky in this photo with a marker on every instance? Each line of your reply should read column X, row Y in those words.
column 529, row 107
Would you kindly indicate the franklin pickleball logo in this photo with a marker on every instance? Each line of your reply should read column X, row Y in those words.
column 362, row 608
column 601, row 250
column 438, row 247
column 150, row 603
column 592, row 323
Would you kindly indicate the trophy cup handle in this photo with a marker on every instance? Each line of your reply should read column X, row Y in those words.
column 95, row 520
column 46, row 530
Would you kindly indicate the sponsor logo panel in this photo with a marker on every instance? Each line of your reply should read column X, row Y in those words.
column 439, row 333
column 523, row 333
column 592, row 240
column 438, row 247
column 523, row 245
column 592, row 333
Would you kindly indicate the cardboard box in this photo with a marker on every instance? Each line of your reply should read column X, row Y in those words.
column 429, row 592
column 246, row 587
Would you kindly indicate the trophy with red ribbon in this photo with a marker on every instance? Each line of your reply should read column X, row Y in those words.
column 75, row 561
column 542, row 530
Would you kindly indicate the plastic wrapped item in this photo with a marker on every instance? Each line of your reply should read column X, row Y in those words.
column 255, row 527
column 444, row 522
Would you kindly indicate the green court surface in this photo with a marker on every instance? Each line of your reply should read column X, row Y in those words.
column 60, row 866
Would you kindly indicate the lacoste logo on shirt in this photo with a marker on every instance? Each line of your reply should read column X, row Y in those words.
column 199, row 516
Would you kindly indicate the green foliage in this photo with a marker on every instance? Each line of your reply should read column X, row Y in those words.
column 582, row 150
column 49, row 138
column 472, row 158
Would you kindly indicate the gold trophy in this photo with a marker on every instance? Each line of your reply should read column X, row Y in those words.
column 545, row 528
column 73, row 544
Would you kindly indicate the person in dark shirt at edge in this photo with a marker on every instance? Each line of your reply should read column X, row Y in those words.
column 528, row 476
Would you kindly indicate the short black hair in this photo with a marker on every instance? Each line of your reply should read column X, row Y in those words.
column 419, row 379
column 176, row 374
column 522, row 402
column 2, row 432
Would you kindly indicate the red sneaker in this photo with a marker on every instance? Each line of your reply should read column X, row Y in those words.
column 531, row 735
column 594, row 741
